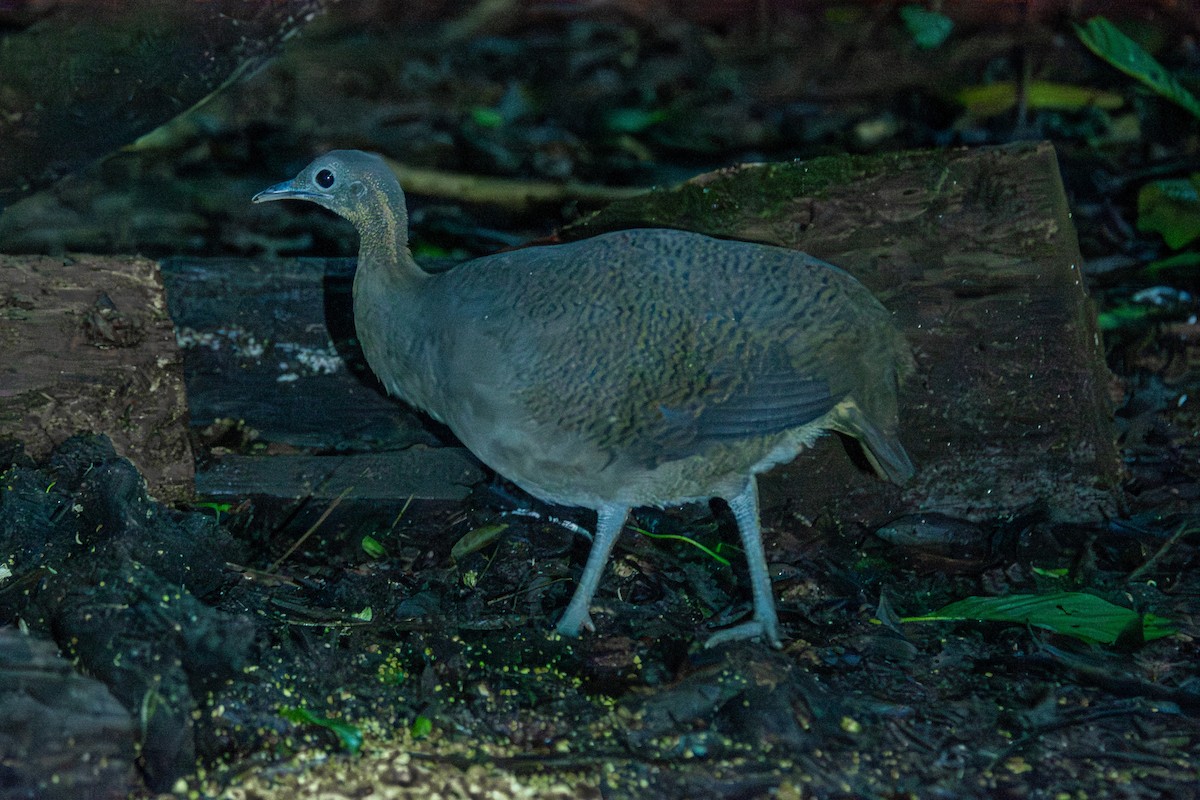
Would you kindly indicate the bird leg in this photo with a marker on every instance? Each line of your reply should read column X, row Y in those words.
column 609, row 522
column 765, row 624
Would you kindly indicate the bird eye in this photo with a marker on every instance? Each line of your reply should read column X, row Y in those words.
column 325, row 178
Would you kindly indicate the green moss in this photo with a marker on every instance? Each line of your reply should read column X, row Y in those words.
column 719, row 202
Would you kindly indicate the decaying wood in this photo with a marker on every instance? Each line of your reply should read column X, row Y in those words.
column 975, row 253
column 86, row 345
column 271, row 348
column 973, row 250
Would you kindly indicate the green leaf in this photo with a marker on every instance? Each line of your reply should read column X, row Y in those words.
column 1179, row 261
column 373, row 548
column 632, row 120
column 1130, row 314
column 1106, row 40
column 216, row 508
column 996, row 98
column 349, row 735
column 476, row 539
column 1084, row 616
column 1171, row 207
column 486, row 117
column 421, row 727
column 928, row 28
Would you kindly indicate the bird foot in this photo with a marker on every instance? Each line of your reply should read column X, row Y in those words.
column 754, row 629
column 573, row 623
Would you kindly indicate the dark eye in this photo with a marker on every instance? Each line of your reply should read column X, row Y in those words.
column 325, row 178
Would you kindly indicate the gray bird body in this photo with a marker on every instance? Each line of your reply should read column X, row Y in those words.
column 641, row 367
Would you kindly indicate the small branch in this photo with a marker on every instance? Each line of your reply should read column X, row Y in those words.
column 1183, row 530
column 508, row 192
column 324, row 516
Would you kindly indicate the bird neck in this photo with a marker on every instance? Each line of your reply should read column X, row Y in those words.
column 388, row 301
column 383, row 254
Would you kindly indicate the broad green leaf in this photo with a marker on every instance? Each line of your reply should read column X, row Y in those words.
column 1084, row 616
column 928, row 28
column 1171, row 207
column 1106, row 40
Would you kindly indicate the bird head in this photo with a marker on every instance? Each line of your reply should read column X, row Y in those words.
column 356, row 185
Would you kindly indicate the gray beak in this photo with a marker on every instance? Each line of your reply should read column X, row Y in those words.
column 285, row 191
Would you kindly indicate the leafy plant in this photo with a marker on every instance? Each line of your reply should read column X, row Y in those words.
column 1172, row 208
column 216, row 508
column 350, row 736
column 1079, row 614
column 1106, row 40
column 1169, row 207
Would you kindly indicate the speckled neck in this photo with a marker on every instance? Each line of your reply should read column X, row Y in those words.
column 382, row 224
column 388, row 294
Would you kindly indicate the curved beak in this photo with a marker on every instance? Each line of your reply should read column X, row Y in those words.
column 285, row 191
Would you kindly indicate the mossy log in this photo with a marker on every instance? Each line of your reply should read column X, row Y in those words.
column 975, row 253
column 973, row 250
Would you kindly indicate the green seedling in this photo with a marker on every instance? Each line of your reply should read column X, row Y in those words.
column 707, row 551
column 217, row 509
column 349, row 735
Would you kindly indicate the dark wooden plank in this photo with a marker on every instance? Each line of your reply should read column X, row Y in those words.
column 442, row 473
column 86, row 345
column 272, row 345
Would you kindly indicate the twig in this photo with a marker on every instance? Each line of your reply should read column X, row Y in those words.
column 324, row 516
column 507, row 192
column 1183, row 530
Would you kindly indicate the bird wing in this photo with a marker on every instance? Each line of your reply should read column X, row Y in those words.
column 738, row 404
column 649, row 346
